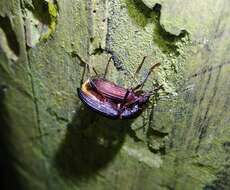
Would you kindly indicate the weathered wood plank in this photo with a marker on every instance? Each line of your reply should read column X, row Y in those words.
column 50, row 141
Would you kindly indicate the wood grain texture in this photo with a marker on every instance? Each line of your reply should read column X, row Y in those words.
column 49, row 140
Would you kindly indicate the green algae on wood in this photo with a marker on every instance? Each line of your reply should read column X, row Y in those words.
column 40, row 20
column 182, row 144
column 142, row 15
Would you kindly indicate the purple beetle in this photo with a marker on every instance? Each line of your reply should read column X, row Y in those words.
column 112, row 100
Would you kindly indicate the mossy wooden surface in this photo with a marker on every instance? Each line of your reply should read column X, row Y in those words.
column 50, row 141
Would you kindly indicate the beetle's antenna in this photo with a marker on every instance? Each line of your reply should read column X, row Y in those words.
column 134, row 76
column 148, row 74
column 106, row 68
column 141, row 85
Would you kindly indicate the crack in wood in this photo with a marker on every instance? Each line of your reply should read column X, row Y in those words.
column 209, row 69
column 205, row 121
column 35, row 100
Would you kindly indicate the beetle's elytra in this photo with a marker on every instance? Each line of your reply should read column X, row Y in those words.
column 114, row 101
column 110, row 90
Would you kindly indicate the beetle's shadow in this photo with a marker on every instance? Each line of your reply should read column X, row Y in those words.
column 91, row 142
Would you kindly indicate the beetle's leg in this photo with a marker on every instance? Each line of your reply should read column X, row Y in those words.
column 106, row 68
column 156, row 89
column 146, row 77
column 139, row 67
column 137, row 87
column 86, row 67
column 95, row 71
column 124, row 103
column 83, row 74
column 138, row 70
column 125, row 98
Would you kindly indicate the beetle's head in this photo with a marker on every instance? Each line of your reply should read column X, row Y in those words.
column 144, row 98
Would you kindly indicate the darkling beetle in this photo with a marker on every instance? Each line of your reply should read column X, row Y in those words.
column 112, row 100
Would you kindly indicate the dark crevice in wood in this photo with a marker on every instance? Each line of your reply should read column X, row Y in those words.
column 205, row 89
column 6, row 26
column 9, row 175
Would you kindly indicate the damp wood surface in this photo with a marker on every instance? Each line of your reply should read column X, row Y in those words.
column 49, row 140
